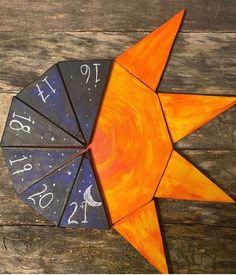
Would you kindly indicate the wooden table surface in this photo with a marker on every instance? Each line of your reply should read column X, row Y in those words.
column 199, row 237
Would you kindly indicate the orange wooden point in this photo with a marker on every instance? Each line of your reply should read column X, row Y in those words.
column 186, row 113
column 182, row 180
column 147, row 59
column 141, row 229
column 131, row 144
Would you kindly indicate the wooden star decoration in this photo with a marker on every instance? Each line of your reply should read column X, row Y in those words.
column 136, row 129
column 90, row 143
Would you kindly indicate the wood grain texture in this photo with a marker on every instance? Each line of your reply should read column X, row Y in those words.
column 200, row 62
column 44, row 249
column 199, row 237
column 73, row 15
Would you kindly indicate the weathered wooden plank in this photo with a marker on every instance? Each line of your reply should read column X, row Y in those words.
column 5, row 100
column 219, row 165
column 112, row 15
column 190, row 212
column 200, row 62
column 200, row 249
column 193, row 249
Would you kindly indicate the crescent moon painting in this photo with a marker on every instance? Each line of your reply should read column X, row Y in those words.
column 91, row 143
column 88, row 201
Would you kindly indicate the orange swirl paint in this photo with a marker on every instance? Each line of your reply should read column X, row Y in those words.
column 131, row 145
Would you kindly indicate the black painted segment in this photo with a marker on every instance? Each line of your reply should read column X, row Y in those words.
column 48, row 96
column 49, row 196
column 85, row 207
column 85, row 81
column 29, row 165
column 25, row 127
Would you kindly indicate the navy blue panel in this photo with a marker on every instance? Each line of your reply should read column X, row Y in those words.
column 28, row 165
column 49, row 196
column 25, row 127
column 48, row 96
column 85, row 207
column 85, row 82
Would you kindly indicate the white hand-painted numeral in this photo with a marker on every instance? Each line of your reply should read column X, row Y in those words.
column 37, row 194
column 86, row 71
column 22, row 127
column 41, row 205
column 96, row 70
column 22, row 117
column 16, row 160
column 41, row 92
column 74, row 211
column 27, row 167
column 43, row 197
column 44, row 98
column 49, row 85
column 16, row 125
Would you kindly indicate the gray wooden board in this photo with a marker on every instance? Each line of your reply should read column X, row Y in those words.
column 199, row 237
column 46, row 249
column 200, row 62
column 100, row 15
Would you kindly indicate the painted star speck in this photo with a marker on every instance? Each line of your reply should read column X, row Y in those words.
column 90, row 143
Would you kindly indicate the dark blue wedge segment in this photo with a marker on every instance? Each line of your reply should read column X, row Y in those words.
column 49, row 196
column 85, row 207
column 25, row 127
column 85, row 82
column 28, row 165
column 48, row 96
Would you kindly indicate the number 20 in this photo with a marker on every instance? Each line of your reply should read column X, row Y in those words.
column 50, row 195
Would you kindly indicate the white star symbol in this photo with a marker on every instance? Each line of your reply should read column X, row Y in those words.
column 52, row 139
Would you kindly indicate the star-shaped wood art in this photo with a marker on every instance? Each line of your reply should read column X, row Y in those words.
column 90, row 143
column 132, row 145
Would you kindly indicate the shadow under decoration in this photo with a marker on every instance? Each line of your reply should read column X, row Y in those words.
column 90, row 143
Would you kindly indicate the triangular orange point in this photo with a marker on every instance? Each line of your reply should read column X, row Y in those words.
column 185, row 113
column 146, row 60
column 182, row 180
column 141, row 229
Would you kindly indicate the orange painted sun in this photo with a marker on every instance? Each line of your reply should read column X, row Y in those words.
column 132, row 146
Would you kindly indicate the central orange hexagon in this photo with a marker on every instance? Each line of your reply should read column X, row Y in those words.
column 131, row 145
